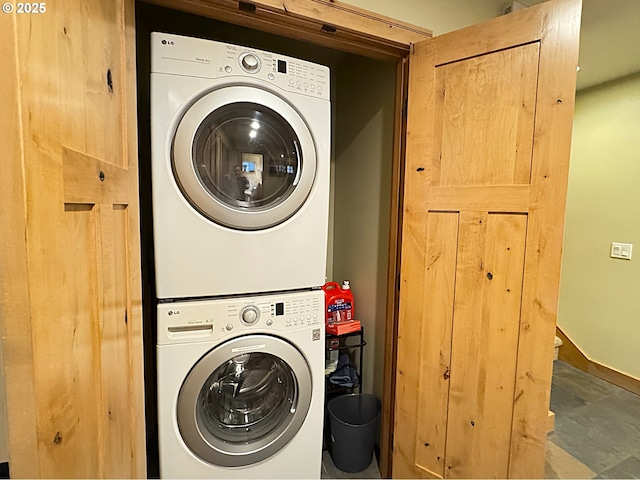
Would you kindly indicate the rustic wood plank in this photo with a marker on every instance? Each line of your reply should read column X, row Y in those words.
column 467, row 336
column 549, row 178
column 15, row 307
column 435, row 343
column 92, row 91
column 115, row 354
column 411, row 314
column 435, row 170
column 485, row 341
column 508, row 198
column 506, row 80
column 518, row 28
column 68, row 372
column 89, row 180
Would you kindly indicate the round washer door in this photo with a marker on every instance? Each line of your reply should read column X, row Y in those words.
column 244, row 400
column 244, row 158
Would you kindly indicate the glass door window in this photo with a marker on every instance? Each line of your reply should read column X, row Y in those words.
column 244, row 400
column 247, row 156
column 244, row 158
column 247, row 398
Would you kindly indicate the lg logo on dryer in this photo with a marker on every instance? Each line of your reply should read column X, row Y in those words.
column 168, row 42
column 173, row 312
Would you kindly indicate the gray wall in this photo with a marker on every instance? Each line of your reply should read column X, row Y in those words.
column 363, row 145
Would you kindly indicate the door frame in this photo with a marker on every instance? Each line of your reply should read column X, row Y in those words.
column 350, row 29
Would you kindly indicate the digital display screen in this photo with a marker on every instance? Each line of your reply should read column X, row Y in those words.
column 282, row 66
column 279, row 309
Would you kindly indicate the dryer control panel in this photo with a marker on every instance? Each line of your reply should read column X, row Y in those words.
column 181, row 322
column 178, row 55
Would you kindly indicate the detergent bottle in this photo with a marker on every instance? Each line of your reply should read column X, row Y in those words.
column 340, row 315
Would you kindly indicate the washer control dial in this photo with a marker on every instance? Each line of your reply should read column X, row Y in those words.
column 250, row 62
column 249, row 315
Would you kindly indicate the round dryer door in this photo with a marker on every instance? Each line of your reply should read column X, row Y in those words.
column 244, row 158
column 244, row 400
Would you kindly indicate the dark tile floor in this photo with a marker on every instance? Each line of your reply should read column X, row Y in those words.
column 597, row 427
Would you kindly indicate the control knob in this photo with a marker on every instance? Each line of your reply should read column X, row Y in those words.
column 250, row 62
column 249, row 315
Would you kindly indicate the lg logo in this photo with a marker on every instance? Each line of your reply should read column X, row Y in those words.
column 168, row 42
column 173, row 312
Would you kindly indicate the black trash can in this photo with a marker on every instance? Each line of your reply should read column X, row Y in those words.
column 354, row 423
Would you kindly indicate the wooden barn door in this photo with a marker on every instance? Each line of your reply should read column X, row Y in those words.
column 70, row 276
column 489, row 130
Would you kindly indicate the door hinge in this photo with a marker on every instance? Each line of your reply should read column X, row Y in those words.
column 247, row 7
column 328, row 28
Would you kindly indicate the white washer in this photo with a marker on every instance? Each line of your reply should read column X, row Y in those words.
column 240, row 145
column 241, row 387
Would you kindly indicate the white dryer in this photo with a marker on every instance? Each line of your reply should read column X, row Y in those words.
column 241, row 387
column 240, row 145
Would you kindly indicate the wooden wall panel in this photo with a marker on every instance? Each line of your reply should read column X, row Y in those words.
column 66, row 362
column 489, row 126
column 468, row 368
column 77, row 155
column 485, row 343
column 435, row 341
column 15, row 306
column 114, row 335
column 507, row 81
column 91, row 31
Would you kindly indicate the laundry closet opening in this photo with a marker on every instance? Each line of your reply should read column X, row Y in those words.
column 363, row 109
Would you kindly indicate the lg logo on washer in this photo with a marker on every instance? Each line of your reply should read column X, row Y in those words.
column 168, row 42
column 173, row 312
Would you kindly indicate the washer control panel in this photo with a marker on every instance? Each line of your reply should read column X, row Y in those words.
column 215, row 319
column 175, row 54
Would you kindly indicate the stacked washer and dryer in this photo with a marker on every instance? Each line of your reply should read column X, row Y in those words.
column 240, row 193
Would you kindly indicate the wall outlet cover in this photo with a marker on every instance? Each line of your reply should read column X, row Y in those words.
column 621, row 250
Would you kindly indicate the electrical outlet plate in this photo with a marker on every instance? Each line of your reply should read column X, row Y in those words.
column 621, row 250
